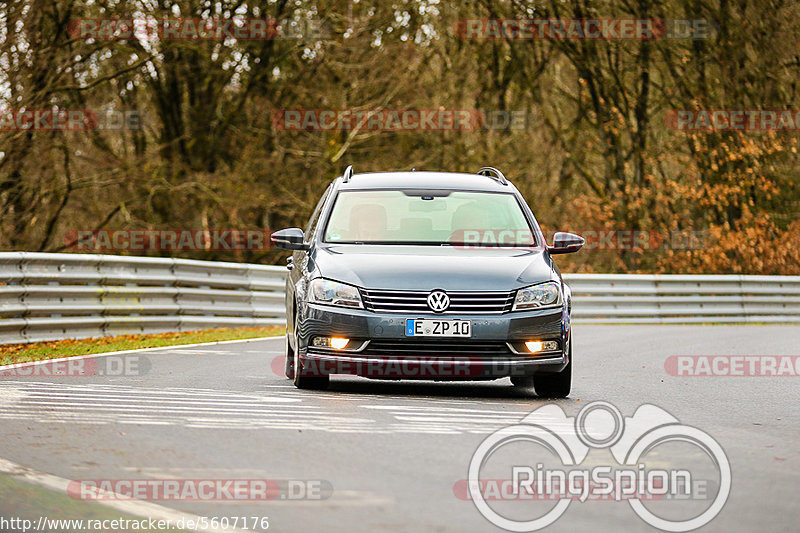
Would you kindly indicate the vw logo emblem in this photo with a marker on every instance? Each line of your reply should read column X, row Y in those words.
column 438, row 301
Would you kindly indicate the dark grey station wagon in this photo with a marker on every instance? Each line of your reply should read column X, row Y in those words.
column 427, row 275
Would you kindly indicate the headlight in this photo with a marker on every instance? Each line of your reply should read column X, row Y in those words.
column 327, row 292
column 538, row 296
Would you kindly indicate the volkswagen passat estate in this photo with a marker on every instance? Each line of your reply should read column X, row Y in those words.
column 427, row 275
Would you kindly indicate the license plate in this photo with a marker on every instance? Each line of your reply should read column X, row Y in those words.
column 419, row 327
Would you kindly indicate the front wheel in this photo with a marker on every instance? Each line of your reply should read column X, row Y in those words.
column 302, row 379
column 524, row 382
column 289, row 364
column 557, row 384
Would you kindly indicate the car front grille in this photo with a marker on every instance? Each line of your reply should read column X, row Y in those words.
column 417, row 302
column 438, row 348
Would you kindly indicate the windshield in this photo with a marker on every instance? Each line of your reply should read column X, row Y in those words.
column 428, row 218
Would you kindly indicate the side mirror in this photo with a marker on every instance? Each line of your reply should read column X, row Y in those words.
column 566, row 243
column 289, row 239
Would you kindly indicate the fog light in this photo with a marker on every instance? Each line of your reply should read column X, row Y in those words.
column 337, row 343
column 541, row 346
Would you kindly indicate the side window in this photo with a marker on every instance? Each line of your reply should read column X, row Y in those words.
column 312, row 222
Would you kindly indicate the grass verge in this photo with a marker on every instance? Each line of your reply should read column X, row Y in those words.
column 24, row 501
column 38, row 351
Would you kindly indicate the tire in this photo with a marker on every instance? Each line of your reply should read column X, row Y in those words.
column 524, row 382
column 289, row 364
column 312, row 383
column 304, row 381
column 556, row 384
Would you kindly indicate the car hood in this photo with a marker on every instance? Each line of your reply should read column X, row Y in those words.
column 429, row 267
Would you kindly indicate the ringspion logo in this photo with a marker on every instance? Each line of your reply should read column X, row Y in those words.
column 554, row 467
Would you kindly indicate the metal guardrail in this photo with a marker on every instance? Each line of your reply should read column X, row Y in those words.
column 642, row 298
column 57, row 296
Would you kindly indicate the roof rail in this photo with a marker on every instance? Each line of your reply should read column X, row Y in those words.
column 348, row 173
column 498, row 176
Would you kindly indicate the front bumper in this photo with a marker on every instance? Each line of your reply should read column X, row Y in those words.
column 453, row 361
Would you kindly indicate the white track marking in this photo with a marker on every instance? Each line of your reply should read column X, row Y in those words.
column 138, row 508
column 182, row 401
column 116, row 405
column 274, row 408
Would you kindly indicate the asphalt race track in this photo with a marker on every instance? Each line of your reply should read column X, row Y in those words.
column 389, row 454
